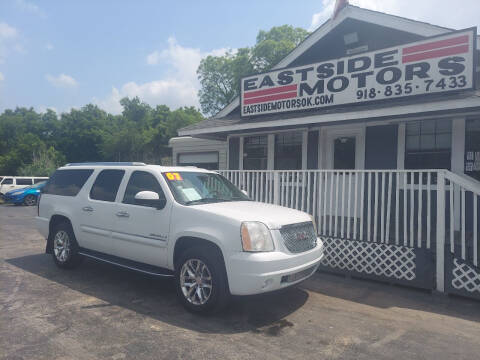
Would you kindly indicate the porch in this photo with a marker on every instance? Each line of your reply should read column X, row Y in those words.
column 414, row 227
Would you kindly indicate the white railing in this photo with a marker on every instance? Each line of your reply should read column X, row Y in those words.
column 420, row 209
column 462, row 210
column 384, row 206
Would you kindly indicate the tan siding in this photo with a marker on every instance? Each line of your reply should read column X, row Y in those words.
column 193, row 145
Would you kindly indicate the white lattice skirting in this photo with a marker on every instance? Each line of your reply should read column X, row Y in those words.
column 370, row 258
column 465, row 277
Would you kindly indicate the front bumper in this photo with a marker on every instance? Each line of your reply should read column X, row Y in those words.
column 255, row 273
column 13, row 199
column 43, row 226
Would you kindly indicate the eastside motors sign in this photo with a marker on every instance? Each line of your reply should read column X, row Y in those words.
column 437, row 65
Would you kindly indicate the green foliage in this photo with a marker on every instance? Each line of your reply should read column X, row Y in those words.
column 36, row 144
column 220, row 75
column 44, row 163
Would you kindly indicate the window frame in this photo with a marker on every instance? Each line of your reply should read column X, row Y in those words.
column 261, row 158
column 276, row 152
column 126, row 181
column 22, row 180
column 8, row 178
column 49, row 182
column 118, row 188
column 418, row 153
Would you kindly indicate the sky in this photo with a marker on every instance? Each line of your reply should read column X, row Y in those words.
column 65, row 54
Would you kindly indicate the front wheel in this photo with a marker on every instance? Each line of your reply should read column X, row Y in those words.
column 30, row 200
column 201, row 280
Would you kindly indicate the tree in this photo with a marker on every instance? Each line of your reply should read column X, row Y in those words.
column 219, row 78
column 36, row 144
column 220, row 75
column 273, row 45
column 44, row 163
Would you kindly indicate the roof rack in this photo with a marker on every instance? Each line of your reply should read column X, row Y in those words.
column 107, row 164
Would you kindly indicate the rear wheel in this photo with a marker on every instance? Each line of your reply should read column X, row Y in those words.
column 30, row 200
column 65, row 247
column 201, row 280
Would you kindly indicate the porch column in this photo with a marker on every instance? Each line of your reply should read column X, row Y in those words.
column 271, row 152
column 240, row 154
column 458, row 159
column 401, row 147
column 458, row 145
column 304, row 149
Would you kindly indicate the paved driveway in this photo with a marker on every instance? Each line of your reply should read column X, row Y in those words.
column 101, row 312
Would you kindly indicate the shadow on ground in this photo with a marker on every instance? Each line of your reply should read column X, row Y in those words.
column 383, row 295
column 156, row 298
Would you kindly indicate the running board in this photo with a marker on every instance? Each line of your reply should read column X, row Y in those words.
column 126, row 263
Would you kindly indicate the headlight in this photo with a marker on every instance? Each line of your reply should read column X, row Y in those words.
column 256, row 237
column 314, row 224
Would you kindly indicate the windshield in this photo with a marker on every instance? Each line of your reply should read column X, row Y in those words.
column 191, row 188
column 38, row 185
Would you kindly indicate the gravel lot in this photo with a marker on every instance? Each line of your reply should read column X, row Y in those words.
column 102, row 312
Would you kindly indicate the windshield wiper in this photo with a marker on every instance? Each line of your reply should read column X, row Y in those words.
column 202, row 200
column 211, row 200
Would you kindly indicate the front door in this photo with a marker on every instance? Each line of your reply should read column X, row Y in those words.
column 141, row 232
column 344, row 148
column 345, row 151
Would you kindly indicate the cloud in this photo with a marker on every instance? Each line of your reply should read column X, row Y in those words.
column 2, row 77
column 62, row 80
column 7, row 31
column 30, row 7
column 8, row 41
column 438, row 12
column 179, row 87
column 153, row 58
column 49, row 46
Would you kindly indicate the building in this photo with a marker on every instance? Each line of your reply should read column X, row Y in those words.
column 207, row 154
column 348, row 125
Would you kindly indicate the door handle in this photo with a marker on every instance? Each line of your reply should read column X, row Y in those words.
column 123, row 214
column 87, row 208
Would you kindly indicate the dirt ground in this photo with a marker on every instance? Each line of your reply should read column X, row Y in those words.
column 102, row 312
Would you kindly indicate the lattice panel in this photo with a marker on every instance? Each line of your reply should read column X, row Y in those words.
column 370, row 258
column 465, row 277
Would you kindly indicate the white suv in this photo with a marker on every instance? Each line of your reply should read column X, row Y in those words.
column 185, row 222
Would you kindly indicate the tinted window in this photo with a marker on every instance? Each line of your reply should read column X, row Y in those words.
column 67, row 182
column 37, row 180
column 255, row 149
column 141, row 181
column 472, row 148
column 344, row 153
column 8, row 181
column 288, row 151
column 106, row 185
column 24, row 181
column 428, row 144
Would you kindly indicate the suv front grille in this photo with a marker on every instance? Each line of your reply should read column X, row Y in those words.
column 299, row 237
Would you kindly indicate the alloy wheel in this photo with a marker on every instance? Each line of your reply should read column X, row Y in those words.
column 196, row 281
column 61, row 246
column 30, row 200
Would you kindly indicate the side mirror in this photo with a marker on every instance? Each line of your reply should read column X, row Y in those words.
column 149, row 198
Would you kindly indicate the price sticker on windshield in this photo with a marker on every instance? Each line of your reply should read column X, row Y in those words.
column 173, row 176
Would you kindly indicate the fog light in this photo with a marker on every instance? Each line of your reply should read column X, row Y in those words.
column 267, row 283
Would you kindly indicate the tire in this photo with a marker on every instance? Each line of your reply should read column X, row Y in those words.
column 65, row 247
column 214, row 294
column 30, row 200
